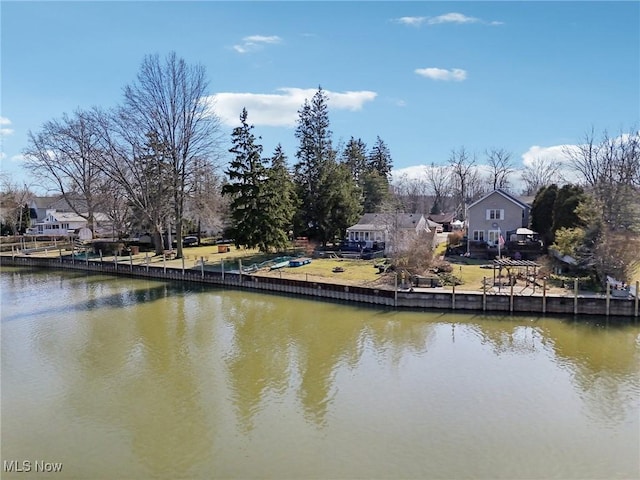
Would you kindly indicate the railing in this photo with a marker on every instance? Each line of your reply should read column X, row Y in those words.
column 508, row 302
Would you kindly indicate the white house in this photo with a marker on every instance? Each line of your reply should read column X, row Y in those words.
column 39, row 207
column 384, row 228
column 62, row 224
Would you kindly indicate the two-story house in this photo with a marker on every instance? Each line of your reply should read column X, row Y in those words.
column 496, row 214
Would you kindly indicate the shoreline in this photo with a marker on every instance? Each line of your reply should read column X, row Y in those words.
column 416, row 298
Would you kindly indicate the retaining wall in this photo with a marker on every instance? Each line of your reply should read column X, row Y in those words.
column 466, row 301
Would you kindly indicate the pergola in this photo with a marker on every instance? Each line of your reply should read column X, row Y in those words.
column 508, row 264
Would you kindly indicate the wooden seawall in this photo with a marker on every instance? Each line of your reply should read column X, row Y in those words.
column 441, row 300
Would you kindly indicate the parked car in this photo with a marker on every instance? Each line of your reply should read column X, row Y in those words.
column 189, row 241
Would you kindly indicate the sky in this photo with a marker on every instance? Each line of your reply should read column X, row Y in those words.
column 426, row 77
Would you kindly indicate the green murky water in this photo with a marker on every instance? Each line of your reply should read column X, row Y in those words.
column 133, row 379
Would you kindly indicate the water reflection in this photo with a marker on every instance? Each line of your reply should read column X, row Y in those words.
column 179, row 382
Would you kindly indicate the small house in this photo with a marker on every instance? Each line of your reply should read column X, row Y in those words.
column 383, row 230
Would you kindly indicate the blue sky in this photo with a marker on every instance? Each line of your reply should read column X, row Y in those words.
column 427, row 77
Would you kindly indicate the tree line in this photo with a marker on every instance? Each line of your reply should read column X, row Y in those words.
column 148, row 163
column 152, row 162
column 597, row 222
column 320, row 198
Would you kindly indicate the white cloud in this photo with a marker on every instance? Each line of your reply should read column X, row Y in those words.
column 414, row 172
column 5, row 122
column 280, row 109
column 18, row 158
column 452, row 17
column 418, row 173
column 411, row 21
column 455, row 74
column 253, row 43
column 536, row 156
column 555, row 153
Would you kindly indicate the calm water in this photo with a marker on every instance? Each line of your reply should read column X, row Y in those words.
column 130, row 379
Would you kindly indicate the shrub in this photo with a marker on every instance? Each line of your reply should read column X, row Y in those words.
column 455, row 238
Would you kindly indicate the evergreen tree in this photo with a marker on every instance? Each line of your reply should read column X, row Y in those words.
column 247, row 174
column 564, row 208
column 339, row 204
column 355, row 157
column 380, row 158
column 280, row 200
column 375, row 191
column 542, row 213
column 315, row 157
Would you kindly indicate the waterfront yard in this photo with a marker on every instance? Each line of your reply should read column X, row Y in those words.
column 354, row 272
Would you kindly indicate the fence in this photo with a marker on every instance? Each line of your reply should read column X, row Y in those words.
column 444, row 300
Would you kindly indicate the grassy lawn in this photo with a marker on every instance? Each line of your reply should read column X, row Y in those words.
column 355, row 271
column 471, row 275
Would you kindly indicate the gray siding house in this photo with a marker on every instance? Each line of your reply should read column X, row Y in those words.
column 496, row 214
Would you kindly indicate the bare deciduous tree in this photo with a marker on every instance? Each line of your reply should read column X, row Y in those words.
column 501, row 167
column 137, row 167
column 206, row 206
column 169, row 100
column 438, row 182
column 13, row 200
column 411, row 194
column 610, row 170
column 65, row 156
column 463, row 173
column 540, row 173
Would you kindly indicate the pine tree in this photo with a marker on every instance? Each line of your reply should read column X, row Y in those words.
column 340, row 203
column 280, row 201
column 315, row 157
column 380, row 158
column 375, row 191
column 247, row 174
column 355, row 157
column 542, row 213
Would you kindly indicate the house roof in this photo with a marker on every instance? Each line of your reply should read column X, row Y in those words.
column 408, row 220
column 72, row 217
column 67, row 217
column 381, row 221
column 442, row 217
column 366, row 227
column 528, row 199
column 58, row 203
column 504, row 194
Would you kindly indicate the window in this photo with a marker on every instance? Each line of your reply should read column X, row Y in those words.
column 495, row 214
column 478, row 235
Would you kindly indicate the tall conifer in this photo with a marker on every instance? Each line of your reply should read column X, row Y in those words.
column 247, row 174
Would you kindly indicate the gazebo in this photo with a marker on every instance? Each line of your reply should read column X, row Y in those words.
column 509, row 264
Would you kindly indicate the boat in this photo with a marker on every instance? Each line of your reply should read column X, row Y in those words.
column 278, row 265
column 298, row 262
